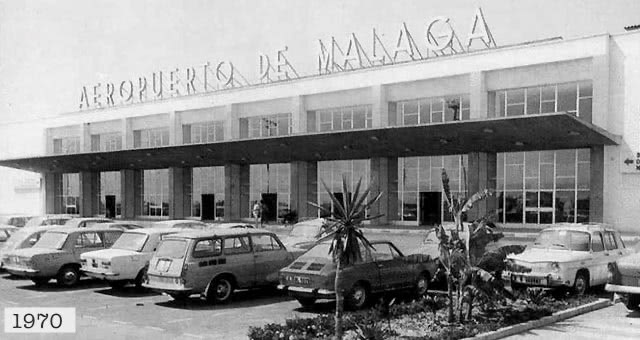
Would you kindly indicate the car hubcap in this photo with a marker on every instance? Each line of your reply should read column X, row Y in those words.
column 222, row 290
column 358, row 296
column 422, row 286
column 69, row 277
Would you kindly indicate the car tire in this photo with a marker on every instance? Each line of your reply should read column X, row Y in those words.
column 140, row 278
column 220, row 290
column 68, row 276
column 40, row 281
column 581, row 283
column 306, row 302
column 422, row 285
column 633, row 302
column 357, row 297
column 118, row 284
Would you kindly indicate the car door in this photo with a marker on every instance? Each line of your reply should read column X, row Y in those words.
column 393, row 270
column 270, row 256
column 598, row 268
column 365, row 269
column 206, row 260
column 238, row 259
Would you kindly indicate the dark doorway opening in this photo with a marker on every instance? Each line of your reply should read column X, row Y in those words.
column 110, row 206
column 208, row 207
column 340, row 196
column 269, row 207
column 430, row 205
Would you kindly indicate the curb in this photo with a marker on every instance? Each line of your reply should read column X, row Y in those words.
column 545, row 321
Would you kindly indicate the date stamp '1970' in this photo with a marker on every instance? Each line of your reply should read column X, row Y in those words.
column 40, row 320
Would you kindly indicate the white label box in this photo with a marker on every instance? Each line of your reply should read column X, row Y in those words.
column 40, row 320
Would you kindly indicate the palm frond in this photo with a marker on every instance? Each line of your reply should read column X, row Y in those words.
column 336, row 203
column 346, row 202
column 478, row 196
column 446, row 189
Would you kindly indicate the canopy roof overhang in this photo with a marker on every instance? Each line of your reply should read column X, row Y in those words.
column 506, row 134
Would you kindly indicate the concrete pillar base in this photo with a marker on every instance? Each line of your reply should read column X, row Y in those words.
column 384, row 179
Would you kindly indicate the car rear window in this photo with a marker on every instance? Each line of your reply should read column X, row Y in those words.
column 173, row 249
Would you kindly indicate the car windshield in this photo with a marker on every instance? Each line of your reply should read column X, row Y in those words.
column 130, row 241
column 51, row 240
column 34, row 222
column 308, row 230
column 563, row 239
column 17, row 238
column 173, row 249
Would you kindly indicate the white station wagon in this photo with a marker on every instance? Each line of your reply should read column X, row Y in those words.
column 127, row 260
column 568, row 255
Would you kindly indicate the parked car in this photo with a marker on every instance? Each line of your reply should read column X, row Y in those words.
column 14, row 220
column 183, row 224
column 430, row 244
column 215, row 262
column 566, row 256
column 25, row 237
column 304, row 234
column 128, row 258
column 624, row 279
column 231, row 225
column 48, row 220
column 383, row 268
column 5, row 233
column 85, row 222
column 57, row 254
column 124, row 226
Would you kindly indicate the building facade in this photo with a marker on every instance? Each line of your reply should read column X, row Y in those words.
column 550, row 126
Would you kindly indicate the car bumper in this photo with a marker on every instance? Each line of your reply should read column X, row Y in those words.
column 308, row 292
column 102, row 275
column 534, row 279
column 162, row 288
column 21, row 271
column 621, row 289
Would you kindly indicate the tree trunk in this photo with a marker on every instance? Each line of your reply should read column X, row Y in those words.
column 450, row 317
column 470, row 307
column 339, row 299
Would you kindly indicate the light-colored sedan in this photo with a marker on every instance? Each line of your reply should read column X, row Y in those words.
column 181, row 224
column 568, row 255
column 127, row 260
column 305, row 234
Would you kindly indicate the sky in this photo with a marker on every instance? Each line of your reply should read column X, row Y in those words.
column 50, row 49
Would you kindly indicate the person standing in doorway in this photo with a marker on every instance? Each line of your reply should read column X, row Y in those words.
column 257, row 213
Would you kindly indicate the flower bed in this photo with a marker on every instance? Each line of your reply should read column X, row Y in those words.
column 423, row 319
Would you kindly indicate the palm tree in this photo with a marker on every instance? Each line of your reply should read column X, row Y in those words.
column 346, row 236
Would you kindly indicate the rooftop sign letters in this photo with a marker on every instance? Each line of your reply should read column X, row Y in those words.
column 438, row 39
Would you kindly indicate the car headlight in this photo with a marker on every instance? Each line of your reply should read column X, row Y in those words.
column 554, row 267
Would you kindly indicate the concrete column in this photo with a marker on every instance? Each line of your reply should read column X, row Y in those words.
column 85, row 137
column 231, row 122
column 179, row 192
column 89, row 191
column 478, row 96
column 131, row 191
column 298, row 115
column 384, row 179
column 600, row 101
column 304, row 188
column 175, row 128
column 127, row 133
column 52, row 192
column 481, row 174
column 380, row 106
column 596, row 195
column 236, row 192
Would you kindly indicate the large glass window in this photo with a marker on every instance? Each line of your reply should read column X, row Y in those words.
column 544, row 187
column 110, row 190
column 106, row 142
column 344, row 118
column 156, row 192
column 418, row 175
column 271, row 125
column 66, row 145
column 207, row 132
column 434, row 110
column 269, row 179
column 208, row 181
column 69, row 194
column 150, row 138
column 574, row 98
column 332, row 172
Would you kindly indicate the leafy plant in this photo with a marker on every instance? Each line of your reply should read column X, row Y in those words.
column 343, row 228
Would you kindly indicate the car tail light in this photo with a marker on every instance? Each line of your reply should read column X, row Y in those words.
column 106, row 264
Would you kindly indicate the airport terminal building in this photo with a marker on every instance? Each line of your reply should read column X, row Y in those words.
column 552, row 126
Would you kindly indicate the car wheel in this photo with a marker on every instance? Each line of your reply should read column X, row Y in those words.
column 119, row 284
column 40, row 281
column 220, row 290
column 357, row 296
column 68, row 276
column 581, row 284
column 633, row 302
column 140, row 278
column 422, row 285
